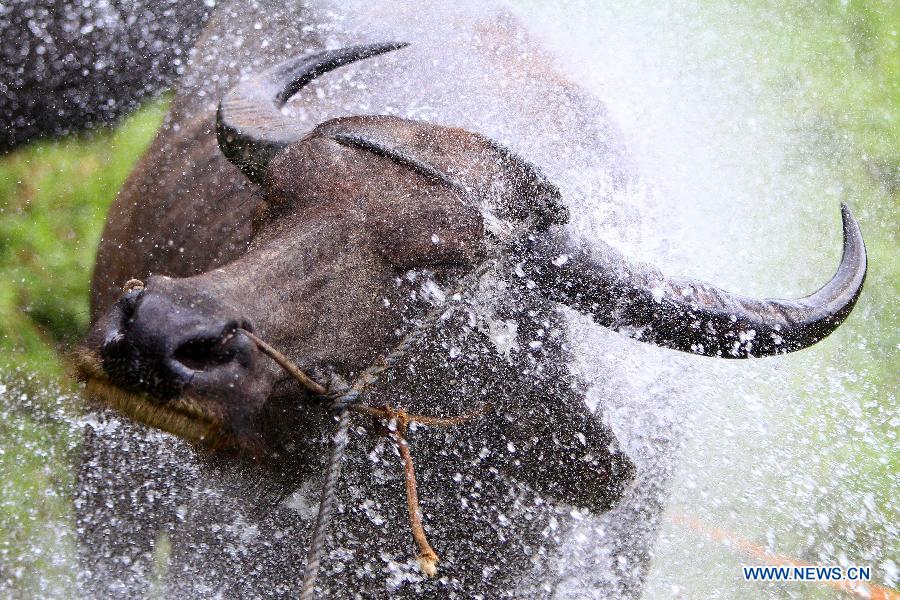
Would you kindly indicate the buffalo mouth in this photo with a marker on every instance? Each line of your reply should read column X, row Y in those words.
column 194, row 419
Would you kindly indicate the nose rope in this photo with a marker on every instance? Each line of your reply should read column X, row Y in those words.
column 428, row 558
column 305, row 380
column 345, row 399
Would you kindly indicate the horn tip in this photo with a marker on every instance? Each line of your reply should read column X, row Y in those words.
column 851, row 230
column 385, row 47
column 854, row 261
column 846, row 214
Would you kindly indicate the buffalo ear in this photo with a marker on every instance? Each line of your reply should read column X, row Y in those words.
column 447, row 186
column 470, row 165
column 419, row 214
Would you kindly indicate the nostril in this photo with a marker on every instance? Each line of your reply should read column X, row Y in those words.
column 204, row 353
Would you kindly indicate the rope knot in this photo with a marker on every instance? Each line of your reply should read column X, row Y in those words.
column 398, row 416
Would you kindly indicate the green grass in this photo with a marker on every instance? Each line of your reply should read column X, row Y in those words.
column 832, row 72
column 53, row 202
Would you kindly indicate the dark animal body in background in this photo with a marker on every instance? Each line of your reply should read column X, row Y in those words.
column 329, row 242
column 69, row 66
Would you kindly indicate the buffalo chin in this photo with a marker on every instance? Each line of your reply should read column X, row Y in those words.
column 187, row 417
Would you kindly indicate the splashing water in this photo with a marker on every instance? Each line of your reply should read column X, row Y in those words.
column 728, row 169
column 798, row 454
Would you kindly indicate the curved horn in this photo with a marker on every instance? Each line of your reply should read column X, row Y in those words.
column 689, row 315
column 250, row 126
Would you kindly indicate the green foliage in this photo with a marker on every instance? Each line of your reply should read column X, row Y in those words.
column 846, row 54
column 53, row 201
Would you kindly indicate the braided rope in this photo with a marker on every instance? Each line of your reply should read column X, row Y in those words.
column 327, row 502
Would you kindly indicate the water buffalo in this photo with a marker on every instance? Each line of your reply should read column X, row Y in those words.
column 330, row 238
